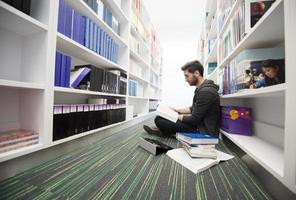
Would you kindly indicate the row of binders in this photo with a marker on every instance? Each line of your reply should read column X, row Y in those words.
column 21, row 5
column 16, row 139
column 73, row 119
column 88, row 77
column 86, row 32
column 104, row 13
column 97, row 79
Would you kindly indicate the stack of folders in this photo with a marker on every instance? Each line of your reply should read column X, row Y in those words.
column 199, row 145
column 16, row 139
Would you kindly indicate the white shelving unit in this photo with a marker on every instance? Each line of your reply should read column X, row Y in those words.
column 140, row 102
column 272, row 144
column 27, row 64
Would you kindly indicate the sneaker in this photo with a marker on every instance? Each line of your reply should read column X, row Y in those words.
column 153, row 131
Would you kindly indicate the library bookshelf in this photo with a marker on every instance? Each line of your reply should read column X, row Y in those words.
column 273, row 139
column 27, row 68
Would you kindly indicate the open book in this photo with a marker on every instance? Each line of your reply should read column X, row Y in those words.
column 167, row 113
column 196, row 165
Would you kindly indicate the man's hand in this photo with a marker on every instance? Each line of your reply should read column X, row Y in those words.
column 180, row 118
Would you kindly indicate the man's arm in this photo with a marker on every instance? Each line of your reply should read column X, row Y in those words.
column 182, row 110
column 201, row 106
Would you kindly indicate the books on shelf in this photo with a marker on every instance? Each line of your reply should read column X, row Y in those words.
column 77, row 76
column 197, row 138
column 133, row 85
column 100, row 80
column 248, row 13
column 167, row 113
column 21, row 5
column 86, row 32
column 236, row 120
column 253, row 68
column 62, row 70
column 16, row 139
column 73, row 119
column 211, row 67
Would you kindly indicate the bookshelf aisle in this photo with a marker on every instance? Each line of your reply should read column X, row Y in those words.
column 244, row 40
column 37, row 91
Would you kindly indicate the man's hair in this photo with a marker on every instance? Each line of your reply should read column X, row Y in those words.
column 270, row 63
column 193, row 66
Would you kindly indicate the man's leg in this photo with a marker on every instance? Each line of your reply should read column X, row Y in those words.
column 170, row 128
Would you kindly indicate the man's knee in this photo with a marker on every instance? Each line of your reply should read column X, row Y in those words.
column 157, row 120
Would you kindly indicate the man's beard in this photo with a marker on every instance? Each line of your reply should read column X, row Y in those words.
column 194, row 82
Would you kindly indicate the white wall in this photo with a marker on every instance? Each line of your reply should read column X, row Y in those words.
column 178, row 24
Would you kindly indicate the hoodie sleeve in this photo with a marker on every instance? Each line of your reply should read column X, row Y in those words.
column 200, row 107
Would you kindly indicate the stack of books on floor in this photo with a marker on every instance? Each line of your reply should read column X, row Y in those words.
column 16, row 139
column 199, row 145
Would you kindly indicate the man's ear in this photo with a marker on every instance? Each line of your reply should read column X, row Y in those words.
column 196, row 73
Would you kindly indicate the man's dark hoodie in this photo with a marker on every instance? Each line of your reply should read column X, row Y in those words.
column 205, row 109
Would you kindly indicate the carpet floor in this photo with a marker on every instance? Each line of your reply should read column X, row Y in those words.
column 116, row 168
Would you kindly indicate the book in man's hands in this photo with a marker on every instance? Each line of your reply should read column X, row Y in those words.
column 197, row 138
column 167, row 113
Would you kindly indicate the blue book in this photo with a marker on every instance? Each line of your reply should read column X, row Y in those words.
column 95, row 38
column 103, row 44
column 75, row 27
column 87, row 25
column 107, row 16
column 98, row 40
column 107, row 46
column 61, row 17
column 78, row 75
column 91, row 35
column 197, row 138
column 67, row 71
column 68, row 21
column 81, row 29
column 110, row 48
column 116, row 53
column 63, row 70
column 57, row 72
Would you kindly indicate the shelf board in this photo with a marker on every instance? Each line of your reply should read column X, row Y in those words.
column 271, row 91
column 212, row 56
column 117, row 11
column 20, row 84
column 154, row 71
column 230, row 15
column 268, row 32
column 84, row 92
column 134, row 76
column 20, row 152
column 68, row 46
column 269, row 156
column 155, row 86
column 84, row 10
column 140, row 98
column 138, row 58
column 18, row 22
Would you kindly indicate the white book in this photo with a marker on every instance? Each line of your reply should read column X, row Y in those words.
column 196, row 165
column 167, row 113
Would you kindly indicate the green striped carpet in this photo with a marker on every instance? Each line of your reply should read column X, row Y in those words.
column 115, row 168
